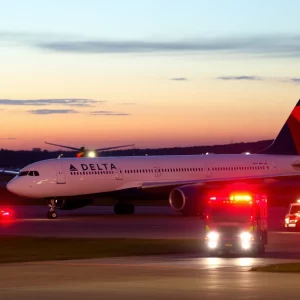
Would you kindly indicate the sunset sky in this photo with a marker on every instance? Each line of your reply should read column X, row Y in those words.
column 154, row 73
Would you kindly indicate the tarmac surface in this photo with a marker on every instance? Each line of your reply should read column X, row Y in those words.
column 157, row 277
column 162, row 277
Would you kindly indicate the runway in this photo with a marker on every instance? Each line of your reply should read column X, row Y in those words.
column 148, row 222
column 159, row 277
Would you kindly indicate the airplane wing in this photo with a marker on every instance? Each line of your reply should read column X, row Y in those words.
column 115, row 147
column 97, row 150
column 67, row 147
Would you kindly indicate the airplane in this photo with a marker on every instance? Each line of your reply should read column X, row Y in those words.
column 70, row 183
column 83, row 152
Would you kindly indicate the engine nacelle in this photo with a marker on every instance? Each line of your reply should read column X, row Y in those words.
column 188, row 200
column 74, row 203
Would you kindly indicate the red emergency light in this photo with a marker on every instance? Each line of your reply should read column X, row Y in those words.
column 233, row 198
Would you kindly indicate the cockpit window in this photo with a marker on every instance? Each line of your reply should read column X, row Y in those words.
column 23, row 173
column 29, row 173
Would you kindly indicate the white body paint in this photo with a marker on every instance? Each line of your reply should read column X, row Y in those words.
column 56, row 180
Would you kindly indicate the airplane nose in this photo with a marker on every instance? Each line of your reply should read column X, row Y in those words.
column 12, row 186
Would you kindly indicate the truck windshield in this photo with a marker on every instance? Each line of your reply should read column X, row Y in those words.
column 231, row 213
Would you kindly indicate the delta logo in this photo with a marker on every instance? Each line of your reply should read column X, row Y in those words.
column 93, row 167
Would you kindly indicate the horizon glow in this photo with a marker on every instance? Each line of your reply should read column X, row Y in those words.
column 150, row 73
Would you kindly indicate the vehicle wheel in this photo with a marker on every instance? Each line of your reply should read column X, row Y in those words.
column 51, row 215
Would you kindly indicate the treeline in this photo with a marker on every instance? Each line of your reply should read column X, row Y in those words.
column 19, row 159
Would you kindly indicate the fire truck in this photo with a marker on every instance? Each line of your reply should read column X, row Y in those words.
column 292, row 218
column 236, row 222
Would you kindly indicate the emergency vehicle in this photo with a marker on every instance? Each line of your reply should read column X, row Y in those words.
column 292, row 218
column 236, row 222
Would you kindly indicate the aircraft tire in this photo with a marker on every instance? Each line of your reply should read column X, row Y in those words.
column 51, row 215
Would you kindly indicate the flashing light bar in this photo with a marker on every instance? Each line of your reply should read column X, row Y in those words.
column 241, row 197
column 234, row 198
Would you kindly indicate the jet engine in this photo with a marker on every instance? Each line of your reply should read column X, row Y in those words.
column 189, row 200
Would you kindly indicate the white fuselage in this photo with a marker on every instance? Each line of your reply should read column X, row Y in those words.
column 82, row 176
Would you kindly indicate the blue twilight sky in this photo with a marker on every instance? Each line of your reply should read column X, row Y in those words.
column 134, row 71
column 150, row 19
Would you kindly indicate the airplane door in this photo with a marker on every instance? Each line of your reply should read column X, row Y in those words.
column 274, row 168
column 208, row 171
column 60, row 175
column 119, row 174
column 157, row 172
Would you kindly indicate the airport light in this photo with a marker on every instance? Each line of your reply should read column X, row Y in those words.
column 91, row 154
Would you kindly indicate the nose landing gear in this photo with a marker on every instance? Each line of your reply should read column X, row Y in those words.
column 51, row 214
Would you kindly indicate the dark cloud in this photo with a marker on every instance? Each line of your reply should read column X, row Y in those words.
column 64, row 101
column 262, row 45
column 297, row 80
column 107, row 113
column 52, row 111
column 270, row 45
column 239, row 78
column 255, row 78
column 275, row 45
column 8, row 138
column 179, row 79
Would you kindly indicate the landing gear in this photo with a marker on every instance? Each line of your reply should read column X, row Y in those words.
column 51, row 214
column 124, row 209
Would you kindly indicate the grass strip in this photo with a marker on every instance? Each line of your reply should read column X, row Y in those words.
column 283, row 268
column 25, row 249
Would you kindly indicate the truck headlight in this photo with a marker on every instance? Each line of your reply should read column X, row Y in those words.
column 213, row 236
column 212, row 239
column 287, row 220
column 246, row 238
